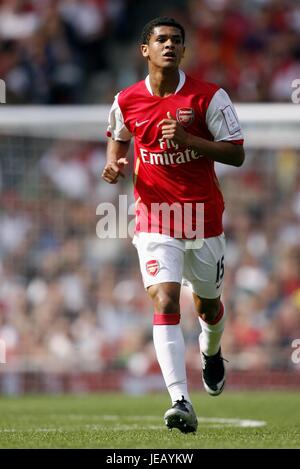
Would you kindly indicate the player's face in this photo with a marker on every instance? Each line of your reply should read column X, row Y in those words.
column 165, row 48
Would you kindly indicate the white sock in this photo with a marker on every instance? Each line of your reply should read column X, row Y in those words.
column 210, row 337
column 170, row 351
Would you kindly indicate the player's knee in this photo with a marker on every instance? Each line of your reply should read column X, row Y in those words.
column 165, row 304
column 165, row 298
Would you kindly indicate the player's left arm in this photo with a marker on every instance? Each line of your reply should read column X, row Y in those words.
column 222, row 152
column 222, row 122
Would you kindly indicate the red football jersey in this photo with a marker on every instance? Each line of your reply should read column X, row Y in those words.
column 168, row 173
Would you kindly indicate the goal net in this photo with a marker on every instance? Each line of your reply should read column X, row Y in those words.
column 73, row 301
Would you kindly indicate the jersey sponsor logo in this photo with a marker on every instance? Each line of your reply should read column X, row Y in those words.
column 231, row 120
column 185, row 116
column 138, row 124
column 152, row 267
column 166, row 158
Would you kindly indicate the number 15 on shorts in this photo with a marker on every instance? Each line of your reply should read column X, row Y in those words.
column 220, row 272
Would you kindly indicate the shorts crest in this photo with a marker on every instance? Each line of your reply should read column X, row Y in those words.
column 152, row 267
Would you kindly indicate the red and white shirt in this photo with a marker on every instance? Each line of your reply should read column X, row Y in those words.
column 166, row 172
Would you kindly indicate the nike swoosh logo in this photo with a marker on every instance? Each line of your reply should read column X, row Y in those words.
column 141, row 123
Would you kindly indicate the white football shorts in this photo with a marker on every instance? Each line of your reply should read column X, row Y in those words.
column 198, row 264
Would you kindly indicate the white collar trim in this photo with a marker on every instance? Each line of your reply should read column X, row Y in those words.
column 182, row 78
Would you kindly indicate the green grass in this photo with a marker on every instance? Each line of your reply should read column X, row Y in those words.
column 120, row 421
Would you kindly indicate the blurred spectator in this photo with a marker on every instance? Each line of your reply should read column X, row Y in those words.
column 68, row 298
column 83, row 51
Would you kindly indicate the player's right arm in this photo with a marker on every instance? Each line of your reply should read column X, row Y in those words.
column 115, row 160
column 117, row 146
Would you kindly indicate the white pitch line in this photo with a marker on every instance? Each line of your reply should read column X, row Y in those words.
column 234, row 422
column 211, row 422
column 228, row 422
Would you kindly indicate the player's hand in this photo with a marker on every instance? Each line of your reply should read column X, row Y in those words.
column 112, row 171
column 172, row 130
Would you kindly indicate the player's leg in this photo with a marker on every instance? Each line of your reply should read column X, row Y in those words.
column 205, row 271
column 161, row 261
column 212, row 320
column 170, row 351
column 168, row 339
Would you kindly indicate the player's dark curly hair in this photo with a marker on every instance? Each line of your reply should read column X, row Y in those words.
column 160, row 21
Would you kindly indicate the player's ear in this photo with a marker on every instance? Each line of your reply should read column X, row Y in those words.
column 145, row 50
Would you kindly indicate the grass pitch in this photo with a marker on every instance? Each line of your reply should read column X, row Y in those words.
column 118, row 421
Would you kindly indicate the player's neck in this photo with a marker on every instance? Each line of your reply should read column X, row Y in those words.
column 163, row 82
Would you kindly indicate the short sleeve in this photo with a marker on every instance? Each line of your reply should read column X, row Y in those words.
column 222, row 120
column 117, row 129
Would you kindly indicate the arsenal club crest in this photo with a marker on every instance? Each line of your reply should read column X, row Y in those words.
column 185, row 116
column 152, row 267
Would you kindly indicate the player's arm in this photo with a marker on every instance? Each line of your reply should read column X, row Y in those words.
column 117, row 146
column 222, row 152
column 116, row 159
column 221, row 121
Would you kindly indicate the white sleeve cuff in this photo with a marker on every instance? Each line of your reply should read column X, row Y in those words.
column 117, row 129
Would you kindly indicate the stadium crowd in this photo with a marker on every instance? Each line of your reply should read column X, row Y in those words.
column 82, row 51
column 69, row 299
